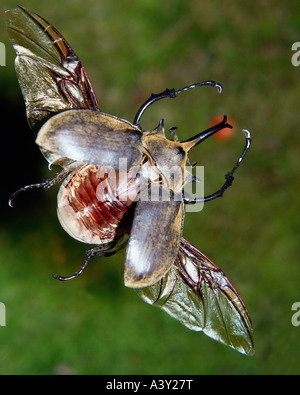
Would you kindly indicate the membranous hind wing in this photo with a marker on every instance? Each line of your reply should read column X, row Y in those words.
column 198, row 294
column 51, row 76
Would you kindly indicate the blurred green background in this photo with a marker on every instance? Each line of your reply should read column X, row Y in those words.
column 132, row 48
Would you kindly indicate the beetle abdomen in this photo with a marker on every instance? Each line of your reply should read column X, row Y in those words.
column 92, row 202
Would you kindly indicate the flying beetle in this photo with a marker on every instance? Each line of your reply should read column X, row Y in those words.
column 101, row 203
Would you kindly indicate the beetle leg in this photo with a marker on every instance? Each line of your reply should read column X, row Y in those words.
column 99, row 250
column 171, row 93
column 229, row 176
column 46, row 184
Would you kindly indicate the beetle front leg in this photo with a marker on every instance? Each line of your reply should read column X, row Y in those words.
column 171, row 93
column 229, row 177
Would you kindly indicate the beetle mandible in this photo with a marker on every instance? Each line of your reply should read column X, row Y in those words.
column 99, row 201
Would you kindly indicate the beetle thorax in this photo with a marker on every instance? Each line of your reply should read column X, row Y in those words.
column 167, row 157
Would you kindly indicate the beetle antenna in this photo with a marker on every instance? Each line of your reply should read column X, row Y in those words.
column 171, row 93
column 172, row 131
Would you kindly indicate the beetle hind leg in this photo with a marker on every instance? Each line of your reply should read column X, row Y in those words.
column 46, row 184
column 99, row 250
column 77, row 274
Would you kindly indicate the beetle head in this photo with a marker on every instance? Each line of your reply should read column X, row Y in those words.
column 168, row 157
